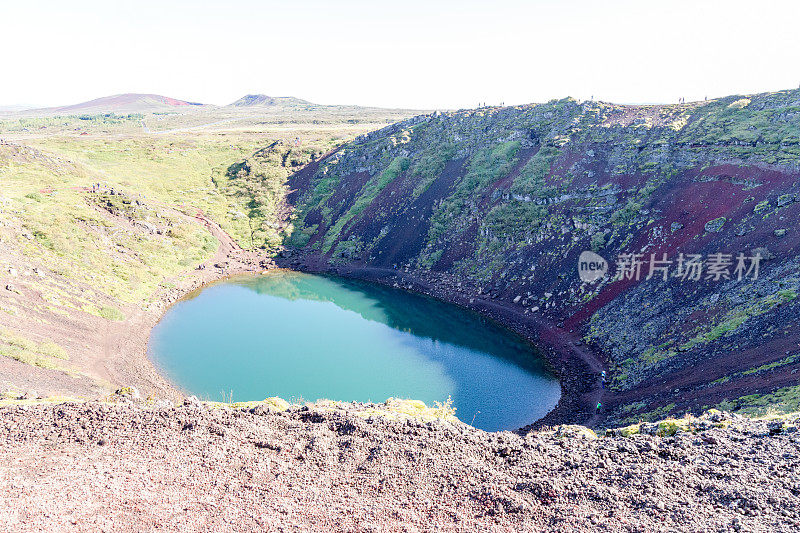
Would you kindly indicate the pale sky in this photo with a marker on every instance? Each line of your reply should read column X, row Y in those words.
column 405, row 53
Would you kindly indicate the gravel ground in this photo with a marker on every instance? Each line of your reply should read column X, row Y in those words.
column 132, row 467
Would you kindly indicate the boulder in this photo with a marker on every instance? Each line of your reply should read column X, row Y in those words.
column 131, row 393
column 715, row 226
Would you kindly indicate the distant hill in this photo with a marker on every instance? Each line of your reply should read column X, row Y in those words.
column 119, row 103
column 259, row 100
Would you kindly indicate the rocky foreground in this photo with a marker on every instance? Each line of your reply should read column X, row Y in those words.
column 130, row 466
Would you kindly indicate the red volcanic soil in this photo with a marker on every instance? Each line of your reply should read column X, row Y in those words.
column 172, row 101
column 406, row 239
column 301, row 180
column 694, row 199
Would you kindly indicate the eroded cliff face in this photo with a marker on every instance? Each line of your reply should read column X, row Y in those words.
column 500, row 203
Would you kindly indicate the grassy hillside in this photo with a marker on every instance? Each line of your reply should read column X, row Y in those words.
column 97, row 219
column 503, row 200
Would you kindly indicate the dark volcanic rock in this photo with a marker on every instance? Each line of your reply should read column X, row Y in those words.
column 501, row 202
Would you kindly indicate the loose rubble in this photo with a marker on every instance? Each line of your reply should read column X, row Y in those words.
column 135, row 466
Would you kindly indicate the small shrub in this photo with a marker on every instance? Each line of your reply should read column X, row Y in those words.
column 598, row 241
column 787, row 295
column 111, row 313
column 52, row 349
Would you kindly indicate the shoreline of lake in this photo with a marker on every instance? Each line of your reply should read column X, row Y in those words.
column 247, row 338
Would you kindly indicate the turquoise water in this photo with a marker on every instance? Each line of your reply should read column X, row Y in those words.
column 306, row 337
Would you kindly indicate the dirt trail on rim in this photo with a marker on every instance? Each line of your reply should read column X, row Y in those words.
column 125, row 346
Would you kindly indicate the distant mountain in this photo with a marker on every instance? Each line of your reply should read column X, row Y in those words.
column 119, row 103
column 262, row 100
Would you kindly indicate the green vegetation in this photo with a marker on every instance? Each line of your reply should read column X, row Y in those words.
column 46, row 354
column 255, row 188
column 727, row 121
column 74, row 240
column 236, row 177
column 429, row 165
column 485, row 166
column 784, row 400
column 532, row 177
column 762, row 368
column 715, row 226
column 516, row 220
column 97, row 215
column 648, row 416
column 393, row 408
column 735, row 318
column 631, row 368
column 572, row 431
column 589, row 181
column 629, row 431
column 397, row 409
column 60, row 123
column 300, row 237
column 76, row 234
column 671, row 426
column 368, row 193
column 348, row 249
column 627, row 214
column 111, row 313
column 273, row 403
column 597, row 242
